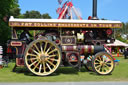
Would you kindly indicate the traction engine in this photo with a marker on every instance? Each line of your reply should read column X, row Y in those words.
column 64, row 42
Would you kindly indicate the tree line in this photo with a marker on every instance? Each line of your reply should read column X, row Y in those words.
column 122, row 34
column 11, row 8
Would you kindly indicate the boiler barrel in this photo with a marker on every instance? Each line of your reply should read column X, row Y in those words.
column 92, row 49
column 84, row 48
column 98, row 49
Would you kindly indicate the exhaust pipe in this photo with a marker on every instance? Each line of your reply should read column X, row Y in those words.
column 94, row 13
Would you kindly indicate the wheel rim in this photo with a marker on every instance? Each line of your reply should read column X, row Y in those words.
column 42, row 57
column 103, row 63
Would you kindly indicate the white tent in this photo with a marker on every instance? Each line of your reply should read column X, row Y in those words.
column 118, row 43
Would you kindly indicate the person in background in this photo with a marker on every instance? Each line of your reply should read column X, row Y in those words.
column 25, row 35
column 125, row 53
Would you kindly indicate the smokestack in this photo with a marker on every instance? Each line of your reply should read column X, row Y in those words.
column 94, row 13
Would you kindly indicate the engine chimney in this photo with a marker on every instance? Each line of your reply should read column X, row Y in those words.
column 94, row 15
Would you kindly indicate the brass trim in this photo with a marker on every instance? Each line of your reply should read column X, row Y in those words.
column 69, row 37
column 20, row 43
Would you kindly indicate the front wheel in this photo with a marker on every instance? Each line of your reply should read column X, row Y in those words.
column 42, row 57
column 103, row 63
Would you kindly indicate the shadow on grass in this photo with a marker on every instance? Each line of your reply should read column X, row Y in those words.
column 95, row 74
column 61, row 70
column 23, row 70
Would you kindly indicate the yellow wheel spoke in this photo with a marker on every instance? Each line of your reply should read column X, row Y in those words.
column 97, row 63
column 36, row 65
column 37, row 48
column 108, row 64
column 51, row 63
column 97, row 60
column 33, row 63
column 41, row 47
column 103, row 68
column 45, row 46
column 107, row 67
column 35, row 51
column 52, row 51
column 52, row 56
column 99, row 66
column 100, row 58
column 48, row 49
column 31, row 59
column 44, row 66
column 103, row 59
column 40, row 68
column 48, row 66
column 53, row 59
column 108, row 61
column 31, row 54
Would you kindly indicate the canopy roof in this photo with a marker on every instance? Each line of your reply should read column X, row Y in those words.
column 67, row 23
column 118, row 43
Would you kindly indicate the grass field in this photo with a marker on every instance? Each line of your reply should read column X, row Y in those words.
column 64, row 74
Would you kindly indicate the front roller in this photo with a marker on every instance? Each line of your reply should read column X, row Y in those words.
column 103, row 63
column 42, row 57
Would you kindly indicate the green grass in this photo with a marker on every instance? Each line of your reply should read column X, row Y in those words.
column 64, row 74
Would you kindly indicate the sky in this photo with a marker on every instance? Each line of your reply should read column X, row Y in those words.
column 107, row 9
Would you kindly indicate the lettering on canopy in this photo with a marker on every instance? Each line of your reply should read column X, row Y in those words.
column 73, row 25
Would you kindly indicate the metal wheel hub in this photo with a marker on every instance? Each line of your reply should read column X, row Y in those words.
column 43, row 57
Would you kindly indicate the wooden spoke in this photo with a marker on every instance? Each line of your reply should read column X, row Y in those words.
column 48, row 49
column 44, row 67
column 41, row 47
column 52, row 56
column 40, row 68
column 31, row 59
column 99, row 66
column 37, row 48
column 35, row 51
column 103, row 69
column 108, row 63
column 53, row 59
column 107, row 67
column 52, row 51
column 36, row 65
column 45, row 46
column 48, row 66
column 51, row 63
column 31, row 54
column 96, row 63
column 97, row 60
column 103, row 59
column 33, row 63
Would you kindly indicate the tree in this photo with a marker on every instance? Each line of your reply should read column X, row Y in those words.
column 35, row 14
column 5, row 11
column 32, row 14
column 45, row 16
column 5, row 7
column 15, row 12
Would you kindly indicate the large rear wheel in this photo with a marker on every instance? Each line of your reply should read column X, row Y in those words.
column 42, row 57
column 103, row 63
